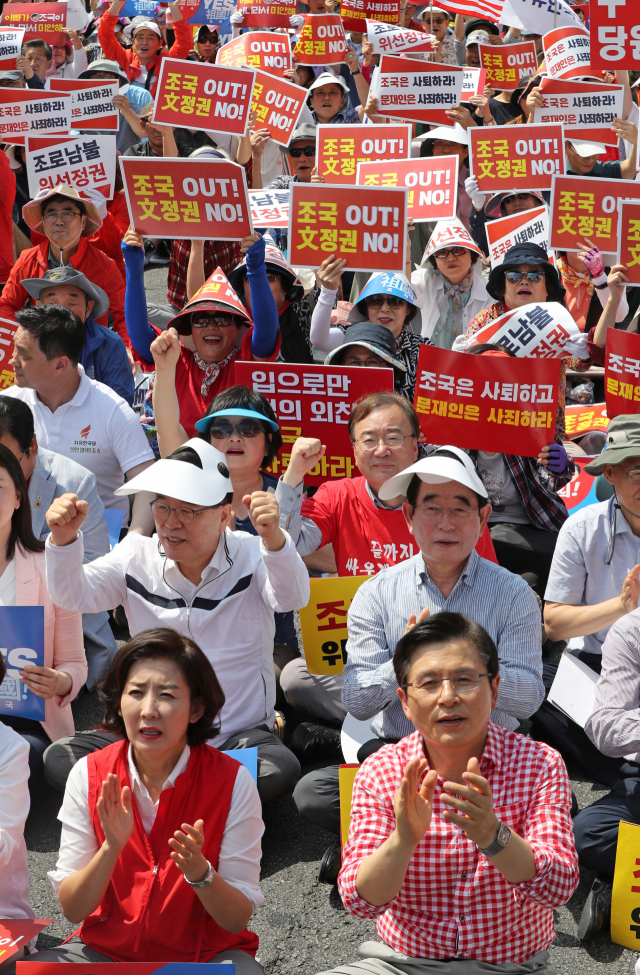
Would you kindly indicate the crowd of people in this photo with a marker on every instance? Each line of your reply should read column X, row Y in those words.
column 144, row 487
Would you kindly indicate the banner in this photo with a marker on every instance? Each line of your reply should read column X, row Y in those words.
column 530, row 226
column 580, row 492
column 91, row 102
column 585, row 206
column 7, row 331
column 80, row 161
column 585, row 108
column 270, row 13
column 322, row 40
column 340, row 148
column 27, row 111
column 340, row 220
column 487, row 403
column 538, row 16
column 323, row 623
column 629, row 239
column 540, row 330
column 11, row 42
column 615, row 35
column 566, row 53
column 625, row 899
column 23, row 635
column 420, row 91
column 357, row 14
column 622, row 373
column 268, row 52
column 186, row 198
column 40, row 20
column 15, row 934
column 277, row 104
column 269, row 208
column 203, row 96
column 474, row 82
column 432, row 184
column 391, row 39
column 581, row 420
column 346, row 780
column 508, row 158
column 214, row 13
column 314, row 401
column 506, row 64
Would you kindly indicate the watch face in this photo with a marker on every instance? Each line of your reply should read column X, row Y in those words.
column 504, row 835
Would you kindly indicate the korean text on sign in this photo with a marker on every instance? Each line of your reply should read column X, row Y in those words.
column 91, row 102
column 323, row 623
column 629, row 239
column 510, row 160
column 622, row 373
column 580, row 420
column 391, row 39
column 277, row 105
column 538, row 330
column 483, row 403
column 406, row 85
column 11, row 41
column 40, row 20
column 7, row 331
column 86, row 162
column 260, row 50
column 28, row 112
column 207, row 96
column 432, row 184
column 582, row 206
column 615, row 35
column 339, row 148
column 625, row 900
column 266, row 14
column 506, row 65
column 531, row 226
column 586, row 109
column 269, row 208
column 321, row 41
column 314, row 401
column 566, row 52
column 473, row 83
column 356, row 14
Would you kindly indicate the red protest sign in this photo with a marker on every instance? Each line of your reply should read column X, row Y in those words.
column 391, row 39
column 580, row 491
column 314, row 401
column 622, row 373
column 504, row 158
column 322, row 40
column 484, row 403
column 26, row 111
column 185, row 198
column 432, row 184
column 585, row 108
column 566, row 52
column 585, row 206
column 203, row 96
column 529, row 226
column 261, row 49
column 277, row 104
column 91, row 102
column 506, row 64
column 419, row 91
column 269, row 13
column 615, row 35
column 14, row 934
column 474, row 82
column 356, row 13
column 40, row 20
column 340, row 148
column 11, row 41
column 115, row 968
column 580, row 420
column 366, row 227
column 629, row 239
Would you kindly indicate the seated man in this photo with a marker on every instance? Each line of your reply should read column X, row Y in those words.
column 460, row 815
column 49, row 476
column 219, row 587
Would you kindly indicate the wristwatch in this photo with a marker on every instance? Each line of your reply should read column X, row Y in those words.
column 501, row 841
column 354, row 73
column 208, row 877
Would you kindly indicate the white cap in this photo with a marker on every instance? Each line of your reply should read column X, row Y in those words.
column 146, row 25
column 477, row 37
column 586, row 149
column 444, row 464
column 329, row 78
column 195, row 472
column 448, row 133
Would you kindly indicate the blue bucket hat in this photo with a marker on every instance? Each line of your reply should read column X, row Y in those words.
column 203, row 425
column 387, row 284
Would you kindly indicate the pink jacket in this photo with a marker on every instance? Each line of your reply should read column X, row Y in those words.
column 63, row 644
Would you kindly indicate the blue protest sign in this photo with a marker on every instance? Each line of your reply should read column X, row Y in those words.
column 193, row 968
column 22, row 629
column 247, row 757
column 213, row 12
column 113, row 519
column 139, row 8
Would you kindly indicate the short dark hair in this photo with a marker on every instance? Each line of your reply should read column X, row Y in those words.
column 246, row 399
column 58, row 331
column 21, row 526
column 444, row 627
column 36, row 42
column 163, row 643
column 16, row 420
column 61, row 198
column 490, row 347
column 415, row 482
column 474, row 258
column 371, row 402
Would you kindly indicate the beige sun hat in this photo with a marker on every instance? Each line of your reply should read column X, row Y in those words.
column 32, row 211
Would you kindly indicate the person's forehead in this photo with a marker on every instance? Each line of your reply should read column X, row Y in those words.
column 146, row 34
column 447, row 657
column 447, row 489
column 328, row 90
column 386, row 416
column 630, row 464
column 69, row 290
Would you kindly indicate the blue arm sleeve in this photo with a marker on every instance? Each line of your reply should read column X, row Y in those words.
column 135, row 302
column 263, row 305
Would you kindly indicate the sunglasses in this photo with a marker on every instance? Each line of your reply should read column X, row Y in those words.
column 272, row 276
column 302, row 151
column 515, row 277
column 221, row 429
column 202, row 319
column 517, row 196
column 377, row 301
column 454, row 251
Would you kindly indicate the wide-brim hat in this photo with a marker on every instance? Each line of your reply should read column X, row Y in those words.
column 377, row 338
column 304, row 131
column 102, row 64
column 586, row 149
column 69, row 276
column 494, row 203
column 438, row 468
column 448, row 133
column 623, row 442
column 196, row 473
column 216, row 294
column 32, row 211
column 329, row 78
column 387, row 284
column 528, row 253
column 202, row 426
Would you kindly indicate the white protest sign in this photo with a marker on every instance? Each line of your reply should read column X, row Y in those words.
column 11, row 40
column 269, row 208
column 91, row 102
column 567, row 52
column 83, row 161
column 531, row 226
column 538, row 16
column 473, row 83
column 537, row 330
column 581, row 106
column 574, row 689
column 416, row 88
column 390, row 39
column 25, row 111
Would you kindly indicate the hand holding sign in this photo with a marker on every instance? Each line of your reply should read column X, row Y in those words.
column 116, row 814
column 64, row 518
column 45, row 682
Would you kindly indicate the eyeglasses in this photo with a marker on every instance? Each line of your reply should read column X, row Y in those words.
column 633, row 476
column 66, row 215
column 433, row 512
column 372, row 363
column 202, row 319
column 377, row 301
column 302, row 151
column 185, row 516
column 221, row 429
column 460, row 684
column 517, row 196
column 392, row 440
column 454, row 251
column 515, row 277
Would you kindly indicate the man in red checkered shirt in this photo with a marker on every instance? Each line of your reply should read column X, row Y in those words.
column 460, row 841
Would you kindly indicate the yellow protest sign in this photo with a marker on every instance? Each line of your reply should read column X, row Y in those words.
column 346, row 778
column 323, row 622
column 625, row 902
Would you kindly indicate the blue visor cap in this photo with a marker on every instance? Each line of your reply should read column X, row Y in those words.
column 203, row 425
column 389, row 284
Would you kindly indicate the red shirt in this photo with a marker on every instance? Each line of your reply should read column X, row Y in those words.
column 366, row 537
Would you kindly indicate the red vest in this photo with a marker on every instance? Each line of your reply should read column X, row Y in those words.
column 149, row 912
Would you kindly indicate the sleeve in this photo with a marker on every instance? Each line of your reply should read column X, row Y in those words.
column 79, row 62
column 614, row 726
column 519, row 643
column 460, row 47
column 95, row 534
column 477, row 220
column 8, row 180
column 266, row 329
column 113, row 284
column 241, row 847
column 135, row 303
column 568, row 574
column 68, row 652
column 322, row 334
column 116, row 368
column 111, row 48
column 596, row 352
column 305, row 535
column 183, row 40
column 78, row 841
column 128, row 440
column 322, row 510
column 603, row 297
column 91, row 588
column 14, row 794
column 35, row 83
column 14, row 295
column 283, row 578
column 369, row 680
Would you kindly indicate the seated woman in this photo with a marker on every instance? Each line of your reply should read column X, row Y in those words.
column 481, row 812
column 160, row 806
column 23, row 583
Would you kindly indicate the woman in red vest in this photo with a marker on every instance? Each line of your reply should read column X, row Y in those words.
column 160, row 847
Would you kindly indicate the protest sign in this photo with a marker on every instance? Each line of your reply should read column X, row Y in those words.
column 15, row 934
column 507, row 64
column 391, row 39
column 538, row 330
column 277, row 104
column 474, row 82
column 23, row 638
column 432, row 184
column 141, row 8
column 566, row 52
column 622, row 373
column 580, row 492
column 208, row 96
column 503, row 158
column 7, row 331
column 269, row 13
column 186, row 198
column 530, row 226
column 26, row 111
column 43, row 21
column 538, row 16
column 212, row 12
column 132, row 968
column 314, row 401
column 346, row 780
column 629, row 239
column 420, row 91
column 583, row 419
column 323, row 623
column 585, row 108
column 86, row 162
column 487, row 403
column 269, row 208
column 11, row 41
column 340, row 220
column 615, row 35
column 260, row 49
column 585, row 206
column 339, row 148
column 322, row 40
column 91, row 102
column 357, row 13
column 625, row 897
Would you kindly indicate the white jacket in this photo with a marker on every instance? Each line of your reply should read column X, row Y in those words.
column 14, row 809
column 428, row 284
column 229, row 614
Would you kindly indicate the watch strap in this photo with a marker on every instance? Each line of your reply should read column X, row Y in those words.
column 206, row 880
column 496, row 846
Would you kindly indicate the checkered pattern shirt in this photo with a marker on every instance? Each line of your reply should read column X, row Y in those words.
column 453, row 903
column 217, row 253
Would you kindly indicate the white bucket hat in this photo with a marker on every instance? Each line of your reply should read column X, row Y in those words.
column 444, row 464
column 195, row 472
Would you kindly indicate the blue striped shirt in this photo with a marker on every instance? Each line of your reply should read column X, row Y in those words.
column 486, row 593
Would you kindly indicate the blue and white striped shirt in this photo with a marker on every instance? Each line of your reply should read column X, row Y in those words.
column 486, row 593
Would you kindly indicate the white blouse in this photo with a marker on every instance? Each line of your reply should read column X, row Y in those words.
column 8, row 585
column 240, row 850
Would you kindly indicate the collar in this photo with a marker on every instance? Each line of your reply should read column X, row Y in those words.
column 95, row 336
column 467, row 576
column 136, row 781
column 219, row 562
column 376, row 501
column 74, row 260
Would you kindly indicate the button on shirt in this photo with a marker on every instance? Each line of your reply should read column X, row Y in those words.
column 497, row 599
column 579, row 575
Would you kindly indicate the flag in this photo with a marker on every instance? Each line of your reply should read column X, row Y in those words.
column 539, row 16
column 488, row 9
